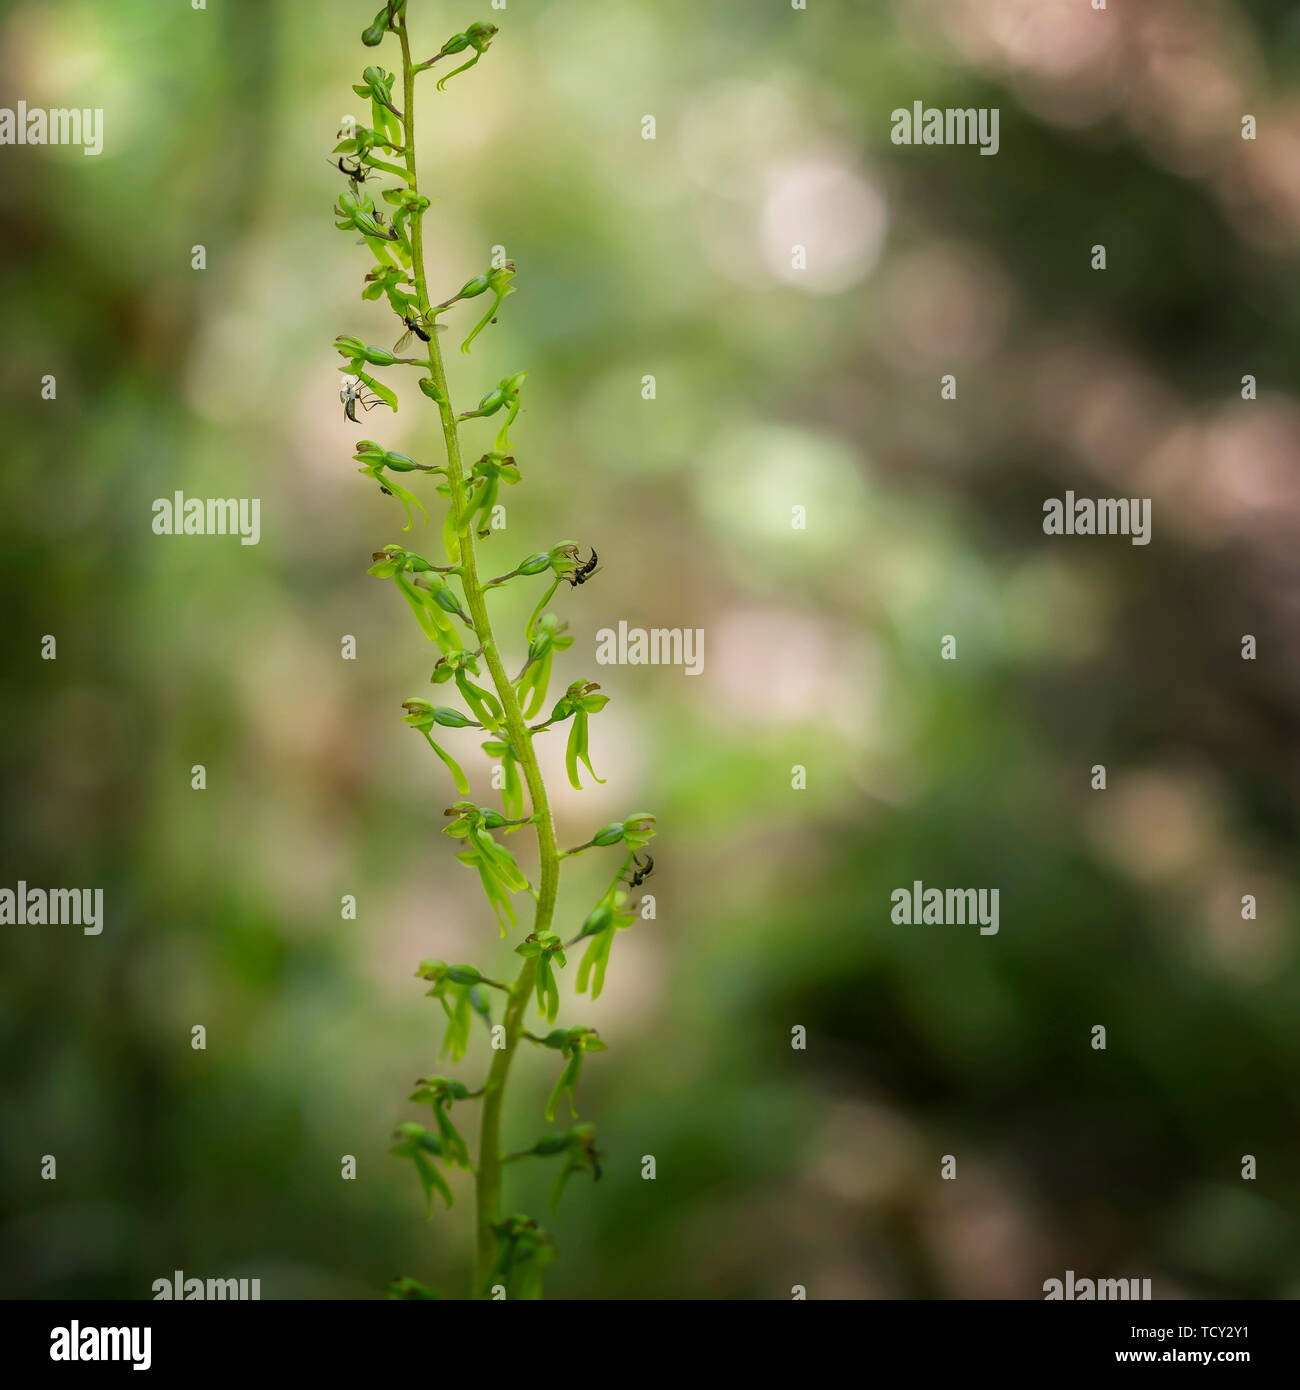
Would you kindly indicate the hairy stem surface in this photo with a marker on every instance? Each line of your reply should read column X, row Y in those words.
column 488, row 1172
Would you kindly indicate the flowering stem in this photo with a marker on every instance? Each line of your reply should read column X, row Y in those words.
column 488, row 1172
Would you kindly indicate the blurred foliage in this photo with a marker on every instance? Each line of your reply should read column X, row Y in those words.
column 671, row 257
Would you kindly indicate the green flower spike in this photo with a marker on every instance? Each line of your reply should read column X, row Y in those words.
column 383, row 205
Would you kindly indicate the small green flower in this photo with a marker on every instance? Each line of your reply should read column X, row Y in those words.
column 353, row 214
column 452, row 987
column 478, row 37
column 523, row 1250
column 550, row 636
column 545, row 948
column 378, row 86
column 439, row 1092
column 416, row 1143
column 503, row 396
column 578, row 1145
column 607, row 917
column 421, row 715
column 408, row 1289
column 497, row 870
column 577, row 703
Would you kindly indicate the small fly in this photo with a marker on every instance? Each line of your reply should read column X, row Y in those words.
column 355, row 394
column 415, row 328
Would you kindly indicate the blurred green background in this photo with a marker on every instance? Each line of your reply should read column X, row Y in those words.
column 776, row 388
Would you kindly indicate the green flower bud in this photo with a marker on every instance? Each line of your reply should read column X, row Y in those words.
column 456, row 1090
column 354, row 348
column 377, row 84
column 436, row 587
column 451, row 718
column 598, row 920
column 534, row 564
column 471, row 289
column 430, row 389
column 611, row 834
column 463, row 975
column 400, row 463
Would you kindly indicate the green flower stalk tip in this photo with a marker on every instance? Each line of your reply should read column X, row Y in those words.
column 449, row 604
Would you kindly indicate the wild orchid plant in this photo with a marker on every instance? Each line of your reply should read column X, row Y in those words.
column 510, row 1254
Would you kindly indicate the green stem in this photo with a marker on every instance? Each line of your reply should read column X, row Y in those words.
column 488, row 1173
